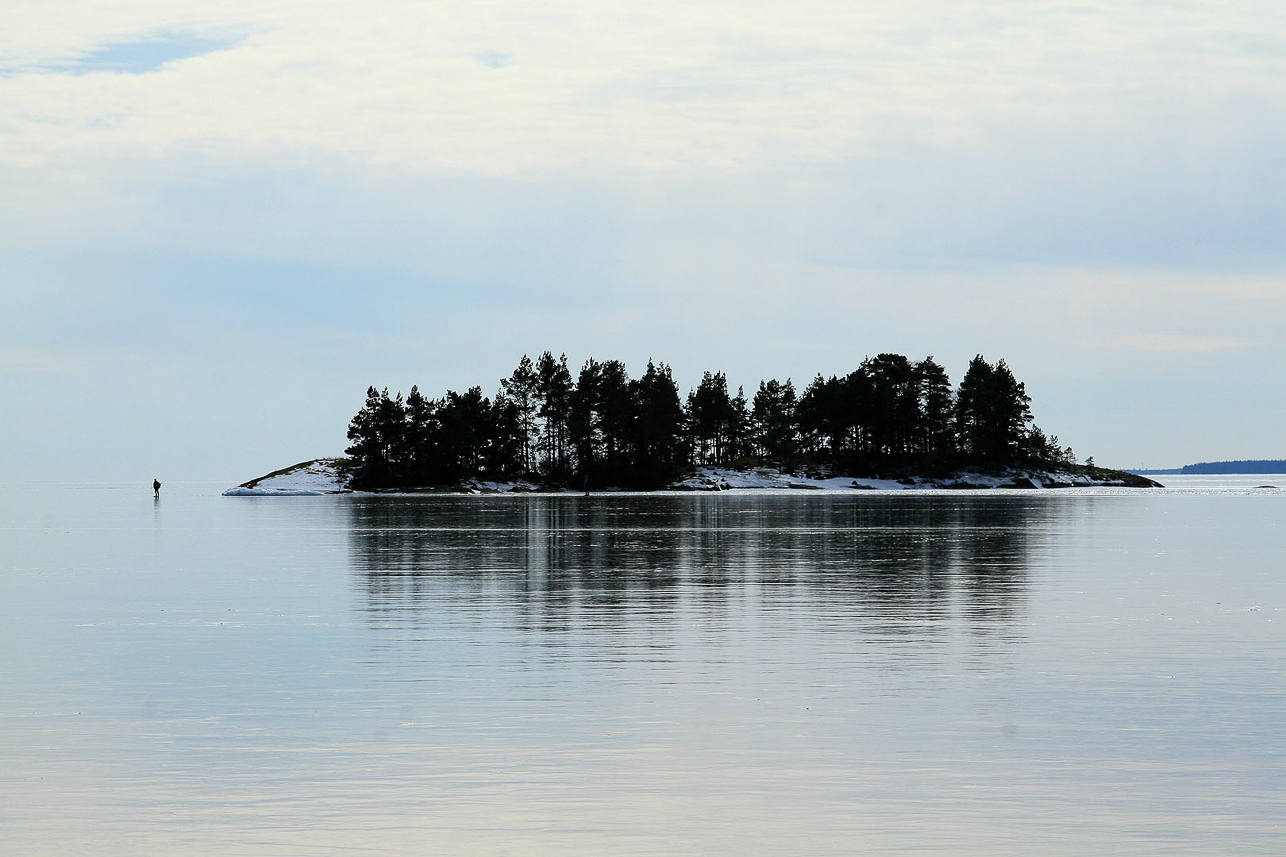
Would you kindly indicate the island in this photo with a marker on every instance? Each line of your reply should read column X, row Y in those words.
column 1207, row 468
column 892, row 423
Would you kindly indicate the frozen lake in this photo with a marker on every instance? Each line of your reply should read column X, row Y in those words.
column 1017, row 673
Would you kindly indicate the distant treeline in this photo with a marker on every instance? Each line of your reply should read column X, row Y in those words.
column 1259, row 466
column 890, row 416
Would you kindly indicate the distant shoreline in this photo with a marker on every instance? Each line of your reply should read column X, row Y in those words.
column 1250, row 467
column 330, row 476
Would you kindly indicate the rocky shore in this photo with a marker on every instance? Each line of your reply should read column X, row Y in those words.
column 330, row 476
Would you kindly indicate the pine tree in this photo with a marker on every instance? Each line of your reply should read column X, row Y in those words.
column 992, row 414
column 504, row 443
column 815, row 415
column 1012, row 413
column 464, row 420
column 894, row 405
column 585, row 417
column 711, row 416
column 420, row 438
column 364, row 449
column 741, row 428
column 554, row 388
column 934, row 436
column 521, row 389
column 659, row 449
column 773, row 412
column 377, row 433
column 856, row 407
column 616, row 419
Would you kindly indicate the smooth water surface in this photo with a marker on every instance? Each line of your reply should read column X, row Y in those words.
column 1023, row 672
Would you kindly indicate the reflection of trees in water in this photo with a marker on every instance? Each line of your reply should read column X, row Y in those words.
column 564, row 562
column 994, row 551
column 892, row 565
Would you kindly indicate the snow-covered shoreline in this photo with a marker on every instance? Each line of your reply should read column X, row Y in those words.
column 307, row 479
column 327, row 476
column 725, row 479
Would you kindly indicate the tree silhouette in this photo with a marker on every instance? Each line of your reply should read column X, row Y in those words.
column 377, row 433
column 521, row 389
column 887, row 416
column 712, row 419
column 992, row 414
column 936, row 408
column 420, row 439
column 554, row 388
column 773, row 412
column 659, row 451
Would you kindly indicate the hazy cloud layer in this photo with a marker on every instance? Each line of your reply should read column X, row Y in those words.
column 670, row 87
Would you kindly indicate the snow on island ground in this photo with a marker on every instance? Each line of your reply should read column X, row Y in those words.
column 724, row 479
column 328, row 476
column 308, row 479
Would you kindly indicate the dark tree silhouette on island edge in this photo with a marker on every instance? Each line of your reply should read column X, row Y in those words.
column 889, row 417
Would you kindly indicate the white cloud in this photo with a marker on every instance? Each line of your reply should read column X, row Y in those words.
column 615, row 87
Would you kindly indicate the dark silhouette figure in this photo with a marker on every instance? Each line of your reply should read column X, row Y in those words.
column 156, row 488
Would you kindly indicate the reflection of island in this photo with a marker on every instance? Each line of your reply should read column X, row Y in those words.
column 891, row 565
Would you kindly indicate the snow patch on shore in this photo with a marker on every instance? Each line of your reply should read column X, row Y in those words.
column 308, row 479
column 519, row 486
column 327, row 476
column 761, row 478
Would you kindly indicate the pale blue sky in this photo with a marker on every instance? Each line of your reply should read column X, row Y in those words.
column 219, row 224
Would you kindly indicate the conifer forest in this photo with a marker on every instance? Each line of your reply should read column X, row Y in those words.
column 600, row 428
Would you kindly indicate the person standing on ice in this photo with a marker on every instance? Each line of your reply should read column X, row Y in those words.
column 156, row 488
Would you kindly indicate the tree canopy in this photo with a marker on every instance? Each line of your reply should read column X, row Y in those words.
column 603, row 429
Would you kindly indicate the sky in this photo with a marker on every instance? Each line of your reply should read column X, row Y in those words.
column 221, row 222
